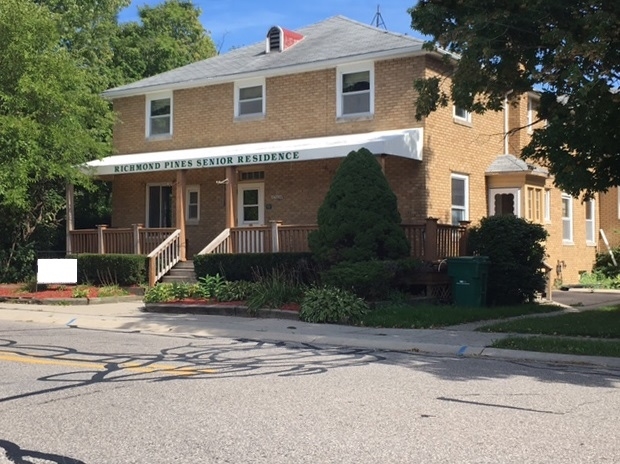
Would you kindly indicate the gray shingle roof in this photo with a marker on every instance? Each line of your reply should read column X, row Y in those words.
column 510, row 163
column 332, row 40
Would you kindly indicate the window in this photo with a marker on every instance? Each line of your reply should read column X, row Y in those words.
column 460, row 201
column 534, row 204
column 250, row 98
column 192, row 204
column 505, row 202
column 461, row 115
column 159, row 115
column 567, row 218
column 532, row 113
column 590, row 226
column 355, row 90
column 547, row 205
column 159, row 206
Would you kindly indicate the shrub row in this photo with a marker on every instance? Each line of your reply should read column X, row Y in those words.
column 247, row 266
column 111, row 269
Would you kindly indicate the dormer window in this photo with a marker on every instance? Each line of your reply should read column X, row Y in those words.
column 279, row 39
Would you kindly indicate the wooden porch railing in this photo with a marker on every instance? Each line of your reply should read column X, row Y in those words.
column 131, row 240
column 164, row 257
column 429, row 240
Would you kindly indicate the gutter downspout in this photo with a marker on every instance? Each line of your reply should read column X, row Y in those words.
column 506, row 121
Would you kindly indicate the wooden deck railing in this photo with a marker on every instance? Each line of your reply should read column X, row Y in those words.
column 131, row 240
column 429, row 240
column 164, row 257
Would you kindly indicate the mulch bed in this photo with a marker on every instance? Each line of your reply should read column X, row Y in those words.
column 45, row 292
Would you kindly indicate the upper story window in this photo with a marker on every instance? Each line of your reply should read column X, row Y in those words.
column 355, row 90
column 461, row 115
column 250, row 98
column 159, row 115
column 590, row 225
column 567, row 218
column 547, row 205
column 532, row 112
column 460, row 198
column 534, row 204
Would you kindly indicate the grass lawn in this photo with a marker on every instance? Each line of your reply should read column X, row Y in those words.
column 598, row 323
column 586, row 347
column 603, row 323
column 425, row 316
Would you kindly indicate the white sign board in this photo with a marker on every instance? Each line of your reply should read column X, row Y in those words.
column 56, row 271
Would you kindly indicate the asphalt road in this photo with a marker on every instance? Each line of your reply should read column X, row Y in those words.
column 84, row 396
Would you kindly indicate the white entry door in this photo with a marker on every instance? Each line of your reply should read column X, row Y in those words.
column 251, row 212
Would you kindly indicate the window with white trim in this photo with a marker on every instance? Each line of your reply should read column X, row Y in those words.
column 355, row 90
column 590, row 224
column 460, row 198
column 159, row 115
column 532, row 112
column 461, row 114
column 567, row 218
column 547, row 205
column 250, row 98
column 192, row 204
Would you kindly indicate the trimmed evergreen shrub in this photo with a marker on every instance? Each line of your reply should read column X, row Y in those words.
column 119, row 269
column 245, row 266
column 359, row 218
column 516, row 252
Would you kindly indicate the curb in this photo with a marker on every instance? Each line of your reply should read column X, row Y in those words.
column 220, row 310
column 70, row 301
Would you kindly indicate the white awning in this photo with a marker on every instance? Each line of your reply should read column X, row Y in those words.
column 405, row 143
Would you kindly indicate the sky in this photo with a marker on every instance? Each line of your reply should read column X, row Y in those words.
column 236, row 23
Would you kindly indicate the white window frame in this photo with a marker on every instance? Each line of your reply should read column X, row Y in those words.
column 350, row 69
column 188, row 191
column 547, row 214
column 567, row 219
column 244, row 84
column 464, row 207
column 532, row 104
column 516, row 192
column 458, row 118
column 590, row 223
column 147, row 126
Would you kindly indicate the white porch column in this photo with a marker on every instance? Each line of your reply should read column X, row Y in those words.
column 70, row 221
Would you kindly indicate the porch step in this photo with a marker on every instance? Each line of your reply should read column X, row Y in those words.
column 183, row 271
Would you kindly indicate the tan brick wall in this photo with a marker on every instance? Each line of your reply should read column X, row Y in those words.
column 610, row 221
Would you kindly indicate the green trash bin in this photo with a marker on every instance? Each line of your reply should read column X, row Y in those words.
column 468, row 275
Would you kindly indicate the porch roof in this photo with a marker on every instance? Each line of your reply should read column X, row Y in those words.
column 405, row 143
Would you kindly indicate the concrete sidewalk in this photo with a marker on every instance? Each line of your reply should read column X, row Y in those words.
column 129, row 316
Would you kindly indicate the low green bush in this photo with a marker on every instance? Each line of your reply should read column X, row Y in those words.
column 331, row 304
column 604, row 264
column 111, row 269
column 372, row 280
column 275, row 288
column 245, row 266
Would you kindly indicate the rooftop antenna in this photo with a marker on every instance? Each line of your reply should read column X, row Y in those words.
column 377, row 21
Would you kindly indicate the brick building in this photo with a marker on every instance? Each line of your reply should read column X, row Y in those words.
column 255, row 135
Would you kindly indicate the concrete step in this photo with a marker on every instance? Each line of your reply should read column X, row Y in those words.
column 181, row 272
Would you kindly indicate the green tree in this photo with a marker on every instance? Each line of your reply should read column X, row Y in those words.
column 51, row 121
column 516, row 252
column 569, row 51
column 359, row 218
column 168, row 35
column 88, row 29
